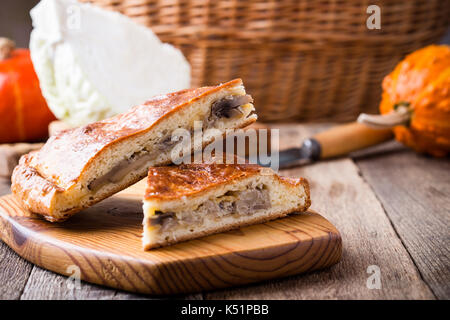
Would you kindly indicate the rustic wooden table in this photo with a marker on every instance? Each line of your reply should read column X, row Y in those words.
column 391, row 206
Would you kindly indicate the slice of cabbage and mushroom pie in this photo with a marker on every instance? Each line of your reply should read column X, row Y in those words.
column 193, row 200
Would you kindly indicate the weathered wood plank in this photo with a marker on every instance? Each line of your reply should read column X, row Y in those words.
column 5, row 186
column 45, row 285
column 415, row 192
column 10, row 155
column 14, row 271
column 348, row 202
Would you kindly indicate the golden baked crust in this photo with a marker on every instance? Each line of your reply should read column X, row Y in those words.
column 31, row 188
column 172, row 182
column 187, row 179
column 56, row 168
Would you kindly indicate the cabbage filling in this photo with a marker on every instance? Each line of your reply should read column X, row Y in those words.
column 232, row 203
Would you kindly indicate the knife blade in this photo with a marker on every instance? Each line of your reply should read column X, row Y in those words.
column 335, row 142
column 307, row 153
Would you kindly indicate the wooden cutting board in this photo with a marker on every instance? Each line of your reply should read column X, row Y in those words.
column 104, row 241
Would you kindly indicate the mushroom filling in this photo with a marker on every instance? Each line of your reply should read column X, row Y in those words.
column 135, row 162
column 238, row 203
column 120, row 170
column 228, row 107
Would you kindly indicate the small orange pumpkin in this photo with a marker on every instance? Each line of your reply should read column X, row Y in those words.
column 24, row 114
column 421, row 85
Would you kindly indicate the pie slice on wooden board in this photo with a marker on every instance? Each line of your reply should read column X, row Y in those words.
column 193, row 200
column 79, row 167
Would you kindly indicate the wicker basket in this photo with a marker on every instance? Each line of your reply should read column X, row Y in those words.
column 305, row 60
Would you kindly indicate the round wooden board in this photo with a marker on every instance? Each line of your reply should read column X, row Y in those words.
column 104, row 241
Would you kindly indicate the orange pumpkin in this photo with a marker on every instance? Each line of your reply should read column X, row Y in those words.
column 24, row 115
column 421, row 83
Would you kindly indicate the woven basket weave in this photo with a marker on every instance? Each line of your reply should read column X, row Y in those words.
column 305, row 60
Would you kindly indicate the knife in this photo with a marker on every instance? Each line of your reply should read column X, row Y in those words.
column 335, row 142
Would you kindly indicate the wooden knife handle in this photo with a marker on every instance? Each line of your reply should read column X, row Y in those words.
column 343, row 139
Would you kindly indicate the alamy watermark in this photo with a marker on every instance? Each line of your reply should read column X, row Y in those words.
column 73, row 282
column 73, row 21
column 374, row 280
column 374, row 20
column 238, row 147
